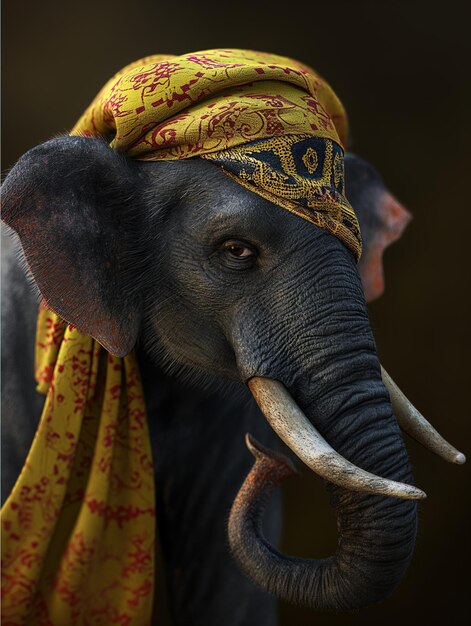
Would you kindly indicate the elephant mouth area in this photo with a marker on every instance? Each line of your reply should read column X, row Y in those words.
column 299, row 434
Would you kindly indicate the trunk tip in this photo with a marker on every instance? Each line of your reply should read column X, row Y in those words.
column 261, row 452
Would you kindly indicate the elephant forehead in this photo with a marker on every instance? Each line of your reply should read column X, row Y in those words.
column 213, row 204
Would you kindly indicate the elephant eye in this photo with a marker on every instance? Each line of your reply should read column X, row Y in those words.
column 238, row 249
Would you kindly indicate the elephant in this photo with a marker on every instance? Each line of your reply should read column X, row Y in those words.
column 217, row 289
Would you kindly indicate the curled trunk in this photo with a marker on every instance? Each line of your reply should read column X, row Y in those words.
column 377, row 536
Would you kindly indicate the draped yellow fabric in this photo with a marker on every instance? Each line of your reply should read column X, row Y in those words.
column 78, row 528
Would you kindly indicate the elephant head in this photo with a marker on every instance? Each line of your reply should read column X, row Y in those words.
column 212, row 279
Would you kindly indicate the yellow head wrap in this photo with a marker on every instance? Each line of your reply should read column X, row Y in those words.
column 78, row 527
column 272, row 123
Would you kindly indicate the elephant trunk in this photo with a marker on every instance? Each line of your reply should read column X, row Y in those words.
column 376, row 533
column 324, row 355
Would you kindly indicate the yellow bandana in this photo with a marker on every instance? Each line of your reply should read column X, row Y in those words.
column 78, row 528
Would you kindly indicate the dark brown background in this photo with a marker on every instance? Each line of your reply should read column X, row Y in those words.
column 402, row 70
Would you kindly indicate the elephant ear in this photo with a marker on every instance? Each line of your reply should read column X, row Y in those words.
column 69, row 201
column 382, row 220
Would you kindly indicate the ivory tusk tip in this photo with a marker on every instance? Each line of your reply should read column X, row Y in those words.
column 416, row 425
column 420, row 495
column 460, row 458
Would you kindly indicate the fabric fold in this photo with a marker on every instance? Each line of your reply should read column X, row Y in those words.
column 79, row 526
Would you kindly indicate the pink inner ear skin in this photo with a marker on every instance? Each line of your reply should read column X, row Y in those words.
column 393, row 219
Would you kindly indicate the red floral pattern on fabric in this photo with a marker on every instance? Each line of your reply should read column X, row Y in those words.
column 78, row 529
column 176, row 107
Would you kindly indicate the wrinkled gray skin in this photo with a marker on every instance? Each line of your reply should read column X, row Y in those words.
column 141, row 244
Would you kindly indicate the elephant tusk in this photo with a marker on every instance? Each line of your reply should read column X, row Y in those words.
column 293, row 427
column 415, row 424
